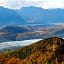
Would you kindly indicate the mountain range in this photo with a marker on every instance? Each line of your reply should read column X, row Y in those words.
column 30, row 15
column 30, row 23
column 42, row 16
column 9, row 17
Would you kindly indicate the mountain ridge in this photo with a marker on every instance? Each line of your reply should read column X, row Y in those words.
column 41, row 16
column 30, row 15
column 45, row 51
column 9, row 17
column 19, row 33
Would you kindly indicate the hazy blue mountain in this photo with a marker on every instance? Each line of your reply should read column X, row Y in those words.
column 14, row 29
column 60, row 31
column 10, row 32
column 42, row 16
column 18, row 33
column 30, row 15
column 9, row 17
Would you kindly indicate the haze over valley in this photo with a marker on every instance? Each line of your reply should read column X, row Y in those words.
column 31, row 32
column 29, row 23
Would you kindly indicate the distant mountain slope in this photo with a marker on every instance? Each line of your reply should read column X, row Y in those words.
column 48, row 51
column 42, row 16
column 18, row 33
column 60, row 31
column 26, row 32
column 10, row 33
column 9, row 17
column 30, row 15
column 14, row 29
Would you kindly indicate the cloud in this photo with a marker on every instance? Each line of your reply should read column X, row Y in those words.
column 54, row 4
column 10, row 3
column 21, row 3
column 38, row 3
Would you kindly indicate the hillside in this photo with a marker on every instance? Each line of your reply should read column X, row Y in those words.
column 27, row 32
column 9, row 33
column 9, row 17
column 47, row 51
column 14, row 29
column 30, row 15
column 37, row 15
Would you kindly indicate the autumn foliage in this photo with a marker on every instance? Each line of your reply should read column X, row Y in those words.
column 48, row 51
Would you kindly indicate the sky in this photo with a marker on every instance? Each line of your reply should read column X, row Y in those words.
column 16, row 4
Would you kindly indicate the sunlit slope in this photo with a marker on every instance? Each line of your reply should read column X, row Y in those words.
column 48, row 51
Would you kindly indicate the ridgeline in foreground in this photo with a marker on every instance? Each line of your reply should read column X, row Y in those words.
column 47, row 51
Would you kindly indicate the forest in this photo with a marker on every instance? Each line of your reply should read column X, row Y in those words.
column 47, row 51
